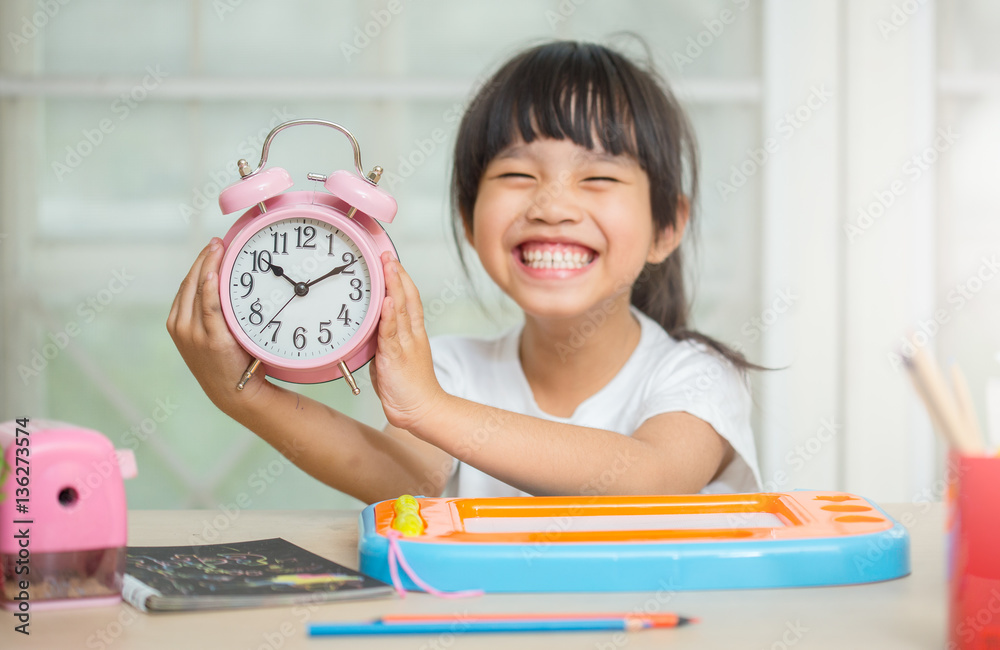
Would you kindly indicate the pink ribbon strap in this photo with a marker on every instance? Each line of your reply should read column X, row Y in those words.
column 396, row 555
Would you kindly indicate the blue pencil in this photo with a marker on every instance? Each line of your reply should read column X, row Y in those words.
column 459, row 626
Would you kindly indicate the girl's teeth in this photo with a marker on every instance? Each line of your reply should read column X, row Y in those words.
column 557, row 259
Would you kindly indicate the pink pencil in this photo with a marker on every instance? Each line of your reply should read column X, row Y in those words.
column 649, row 620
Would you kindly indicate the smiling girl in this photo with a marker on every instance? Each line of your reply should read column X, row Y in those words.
column 574, row 176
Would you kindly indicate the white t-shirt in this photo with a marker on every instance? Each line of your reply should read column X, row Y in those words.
column 662, row 375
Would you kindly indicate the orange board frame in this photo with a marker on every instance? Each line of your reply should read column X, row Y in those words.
column 813, row 538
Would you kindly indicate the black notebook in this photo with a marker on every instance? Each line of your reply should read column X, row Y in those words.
column 255, row 573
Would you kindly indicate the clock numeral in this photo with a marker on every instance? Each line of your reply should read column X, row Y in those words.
column 329, row 239
column 247, row 281
column 325, row 332
column 348, row 259
column 309, row 232
column 256, row 318
column 284, row 242
column 277, row 326
column 344, row 316
column 261, row 264
column 299, row 338
column 356, row 284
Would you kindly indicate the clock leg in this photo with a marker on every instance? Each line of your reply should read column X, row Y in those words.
column 252, row 368
column 349, row 377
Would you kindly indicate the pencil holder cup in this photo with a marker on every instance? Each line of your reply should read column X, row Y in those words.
column 973, row 557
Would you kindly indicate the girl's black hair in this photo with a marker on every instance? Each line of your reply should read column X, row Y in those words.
column 579, row 91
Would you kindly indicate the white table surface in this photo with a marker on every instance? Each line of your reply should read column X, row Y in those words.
column 906, row 613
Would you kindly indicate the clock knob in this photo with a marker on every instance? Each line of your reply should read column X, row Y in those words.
column 362, row 194
column 255, row 189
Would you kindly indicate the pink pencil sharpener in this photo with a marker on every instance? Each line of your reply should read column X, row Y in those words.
column 63, row 527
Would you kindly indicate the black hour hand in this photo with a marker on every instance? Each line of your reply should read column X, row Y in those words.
column 280, row 272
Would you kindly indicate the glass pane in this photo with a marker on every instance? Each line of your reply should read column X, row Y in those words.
column 967, row 36
column 725, row 260
column 968, row 288
column 113, row 168
column 115, row 38
column 720, row 38
column 137, row 178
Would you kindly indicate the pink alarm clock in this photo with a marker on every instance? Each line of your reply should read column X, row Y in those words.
column 63, row 523
column 301, row 282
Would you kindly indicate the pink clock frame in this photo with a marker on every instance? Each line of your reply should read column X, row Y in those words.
column 372, row 241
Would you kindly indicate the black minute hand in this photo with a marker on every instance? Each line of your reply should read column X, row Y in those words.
column 339, row 269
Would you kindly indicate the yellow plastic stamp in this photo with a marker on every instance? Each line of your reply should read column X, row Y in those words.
column 407, row 518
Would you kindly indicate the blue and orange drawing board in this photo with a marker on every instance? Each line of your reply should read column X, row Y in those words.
column 637, row 543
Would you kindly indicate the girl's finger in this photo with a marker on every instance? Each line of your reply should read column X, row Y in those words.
column 189, row 287
column 394, row 289
column 209, row 264
column 388, row 344
column 208, row 296
column 413, row 305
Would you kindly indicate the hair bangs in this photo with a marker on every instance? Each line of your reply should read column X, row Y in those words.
column 569, row 93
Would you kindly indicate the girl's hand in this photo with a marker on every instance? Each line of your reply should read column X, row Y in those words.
column 200, row 333
column 403, row 372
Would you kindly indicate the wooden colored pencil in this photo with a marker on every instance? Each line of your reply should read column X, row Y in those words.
column 461, row 626
column 657, row 619
column 965, row 406
column 940, row 404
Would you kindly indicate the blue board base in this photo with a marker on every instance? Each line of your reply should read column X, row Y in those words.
column 644, row 566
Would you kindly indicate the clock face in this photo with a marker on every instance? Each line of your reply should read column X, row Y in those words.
column 300, row 288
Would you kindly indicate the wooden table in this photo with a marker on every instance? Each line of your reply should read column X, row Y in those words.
column 906, row 613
